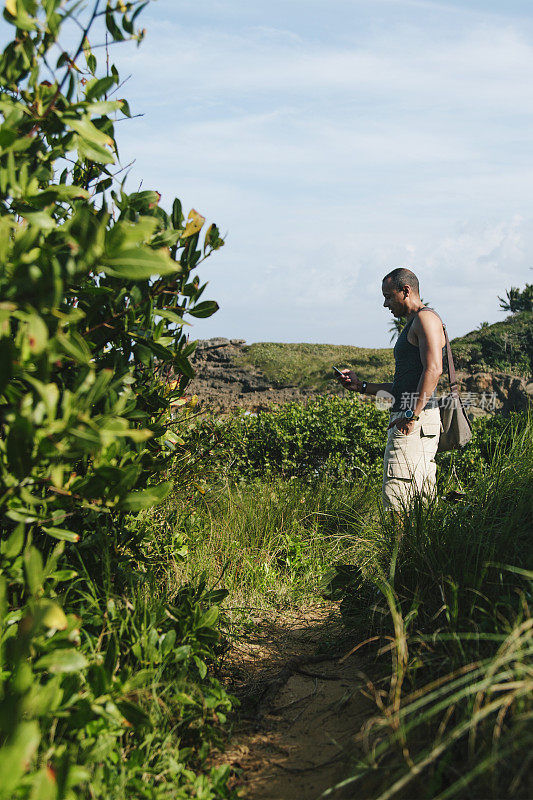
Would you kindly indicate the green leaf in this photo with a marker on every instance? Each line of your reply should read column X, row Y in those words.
column 53, row 615
column 16, row 755
column 184, row 699
column 33, row 564
column 88, row 130
column 209, row 619
column 62, row 661
column 7, row 354
column 19, row 447
column 205, row 309
column 104, row 106
column 37, row 332
column 125, row 107
column 177, row 214
column 202, row 668
column 62, row 533
column 113, row 28
column 183, row 365
column 172, row 316
column 133, row 714
column 64, row 575
column 169, row 640
column 98, row 88
column 58, row 192
column 135, row 501
column 41, row 219
column 74, row 346
column 89, row 57
column 182, row 653
column 99, row 387
column 140, row 264
column 12, row 546
column 111, row 655
column 92, row 151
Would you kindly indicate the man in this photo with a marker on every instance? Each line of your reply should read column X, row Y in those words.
column 413, row 433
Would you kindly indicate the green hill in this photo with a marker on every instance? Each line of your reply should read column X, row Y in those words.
column 505, row 346
column 310, row 365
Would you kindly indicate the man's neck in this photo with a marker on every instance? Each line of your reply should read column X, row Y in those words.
column 417, row 306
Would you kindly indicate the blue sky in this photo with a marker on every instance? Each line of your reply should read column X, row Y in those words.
column 334, row 140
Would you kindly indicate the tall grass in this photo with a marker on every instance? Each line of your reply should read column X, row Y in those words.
column 458, row 590
column 451, row 583
column 269, row 542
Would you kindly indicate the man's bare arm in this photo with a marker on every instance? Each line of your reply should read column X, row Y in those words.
column 374, row 388
column 429, row 334
column 353, row 383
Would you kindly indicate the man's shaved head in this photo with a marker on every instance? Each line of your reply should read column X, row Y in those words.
column 401, row 277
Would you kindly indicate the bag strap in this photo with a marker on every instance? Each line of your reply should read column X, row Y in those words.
column 452, row 378
column 451, row 366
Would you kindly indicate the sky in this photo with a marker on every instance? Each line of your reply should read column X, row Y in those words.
column 333, row 140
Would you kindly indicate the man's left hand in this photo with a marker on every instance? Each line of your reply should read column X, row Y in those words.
column 404, row 425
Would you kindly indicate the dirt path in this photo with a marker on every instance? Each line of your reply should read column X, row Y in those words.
column 300, row 706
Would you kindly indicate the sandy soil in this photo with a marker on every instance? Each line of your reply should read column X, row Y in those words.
column 301, row 705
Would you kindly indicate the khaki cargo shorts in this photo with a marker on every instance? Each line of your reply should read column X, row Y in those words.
column 409, row 465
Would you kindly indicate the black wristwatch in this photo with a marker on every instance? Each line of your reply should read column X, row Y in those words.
column 410, row 415
column 363, row 387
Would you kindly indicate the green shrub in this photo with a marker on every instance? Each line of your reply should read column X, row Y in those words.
column 337, row 438
column 506, row 346
column 330, row 437
column 94, row 287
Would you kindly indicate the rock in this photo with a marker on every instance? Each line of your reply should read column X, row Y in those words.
column 224, row 383
column 209, row 344
column 496, row 391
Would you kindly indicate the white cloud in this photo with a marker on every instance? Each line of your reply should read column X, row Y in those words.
column 332, row 159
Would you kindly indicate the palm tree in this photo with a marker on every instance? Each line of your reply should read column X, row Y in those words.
column 517, row 300
column 398, row 324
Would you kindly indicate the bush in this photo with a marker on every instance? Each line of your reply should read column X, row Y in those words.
column 99, row 684
column 330, row 437
column 505, row 347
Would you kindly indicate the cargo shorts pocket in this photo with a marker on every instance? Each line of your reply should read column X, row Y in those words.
column 430, row 428
column 397, row 469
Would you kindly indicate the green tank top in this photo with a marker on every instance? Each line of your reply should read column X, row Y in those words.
column 407, row 372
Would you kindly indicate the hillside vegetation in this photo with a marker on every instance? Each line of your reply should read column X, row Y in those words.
column 505, row 346
column 310, row 365
column 440, row 602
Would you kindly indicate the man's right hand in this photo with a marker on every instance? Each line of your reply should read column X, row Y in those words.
column 350, row 380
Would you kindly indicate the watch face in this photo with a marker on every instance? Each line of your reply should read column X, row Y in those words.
column 409, row 413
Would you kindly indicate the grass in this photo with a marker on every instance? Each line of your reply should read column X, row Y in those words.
column 451, row 583
column 505, row 346
column 310, row 365
column 458, row 598
column 269, row 542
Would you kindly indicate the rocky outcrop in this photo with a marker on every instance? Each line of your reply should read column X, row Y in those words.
column 496, row 391
column 224, row 382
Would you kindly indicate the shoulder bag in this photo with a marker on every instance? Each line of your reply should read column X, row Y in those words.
column 456, row 428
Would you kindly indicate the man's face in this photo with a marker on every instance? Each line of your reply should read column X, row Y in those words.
column 394, row 299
